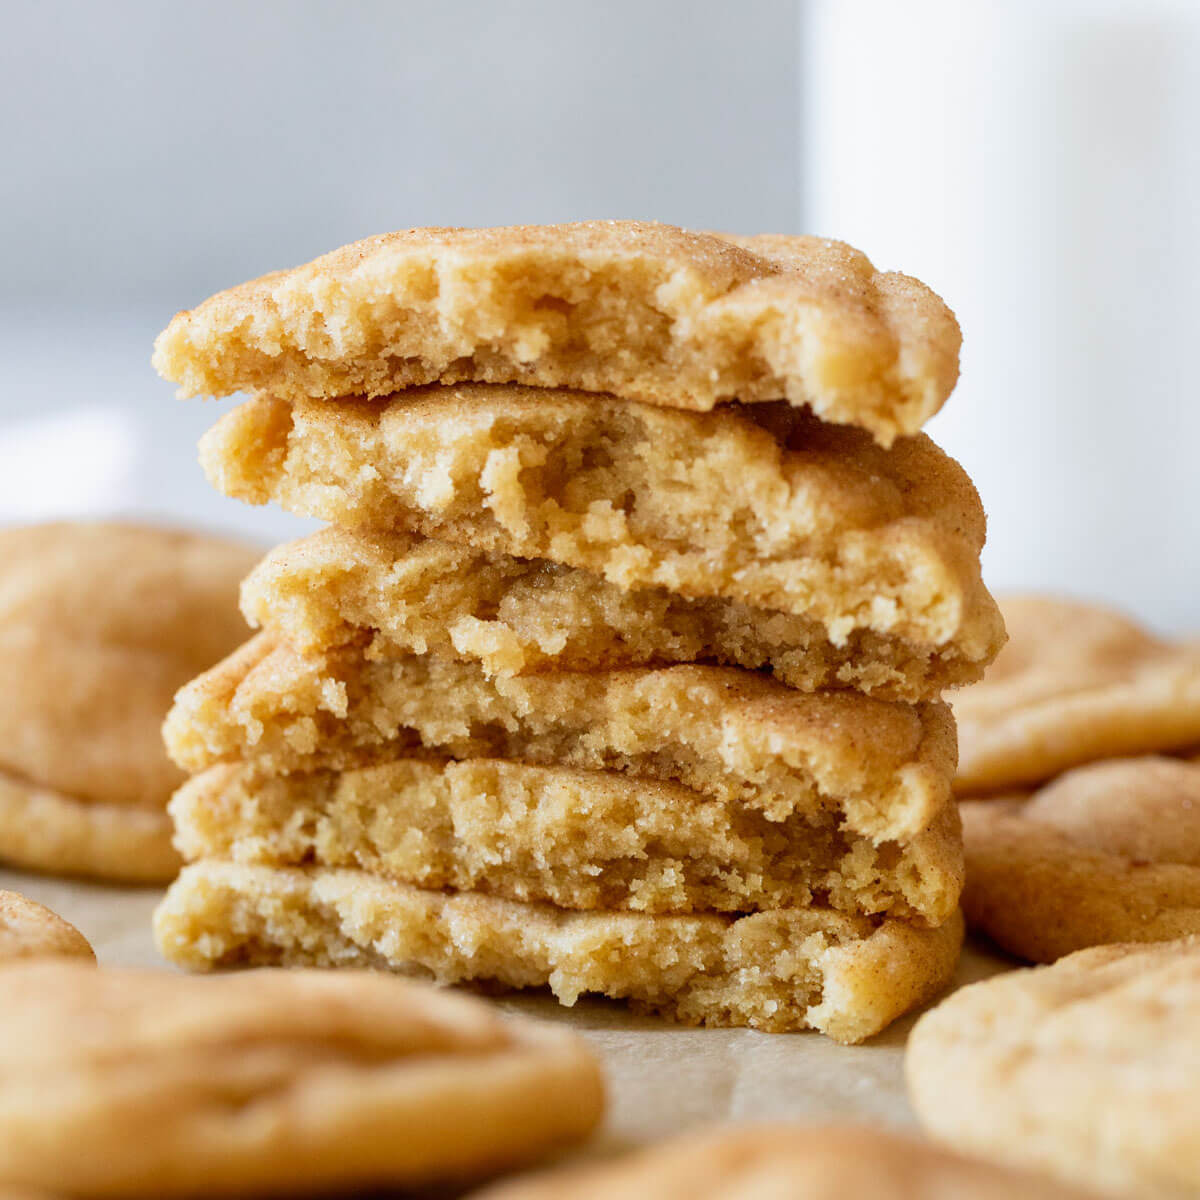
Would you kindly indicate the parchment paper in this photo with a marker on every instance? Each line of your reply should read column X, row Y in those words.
column 663, row 1078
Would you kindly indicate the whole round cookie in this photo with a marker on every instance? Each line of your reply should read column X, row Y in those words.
column 30, row 930
column 100, row 624
column 1088, row 1069
column 805, row 1162
column 1106, row 853
column 145, row 1083
column 1075, row 683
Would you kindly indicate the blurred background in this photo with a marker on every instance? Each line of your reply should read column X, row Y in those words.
column 1037, row 163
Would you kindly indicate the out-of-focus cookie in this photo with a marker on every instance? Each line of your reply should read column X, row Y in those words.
column 1087, row 1069
column 779, row 971
column 140, row 1083
column 30, row 930
column 650, row 312
column 100, row 624
column 799, row 1162
column 1075, row 683
column 1109, row 852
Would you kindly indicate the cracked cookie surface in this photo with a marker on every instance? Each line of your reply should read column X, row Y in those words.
column 1085, row 1069
column 1075, row 683
column 148, row 1083
column 1109, row 852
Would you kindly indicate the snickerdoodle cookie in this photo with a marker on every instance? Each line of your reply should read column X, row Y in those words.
column 147, row 1083
column 735, row 735
column 1109, row 852
column 799, row 1162
column 406, row 594
column 100, row 623
column 783, row 970
column 650, row 312
column 1074, row 683
column 1086, row 1069
column 30, row 930
column 804, row 518
column 580, row 839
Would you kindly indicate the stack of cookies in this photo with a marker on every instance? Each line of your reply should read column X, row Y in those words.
column 618, row 669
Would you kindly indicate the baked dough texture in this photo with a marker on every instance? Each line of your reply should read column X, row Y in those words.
column 806, row 518
column 30, row 930
column 1106, row 853
column 620, row 670
column 579, row 839
column 779, row 971
column 101, row 623
column 409, row 594
column 770, row 1162
column 1075, row 683
column 647, row 311
column 1086, row 1069
column 885, row 767
column 138, row 1083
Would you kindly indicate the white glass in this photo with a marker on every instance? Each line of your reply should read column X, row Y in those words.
column 1038, row 163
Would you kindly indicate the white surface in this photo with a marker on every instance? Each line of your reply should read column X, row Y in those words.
column 663, row 1078
column 1038, row 164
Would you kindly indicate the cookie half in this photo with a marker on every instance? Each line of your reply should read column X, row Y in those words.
column 808, row 1162
column 147, row 1083
column 1074, row 684
column 1086, row 1069
column 885, row 767
column 410, row 594
column 647, row 311
column 578, row 839
column 803, row 518
column 30, row 930
column 101, row 623
column 1106, row 853
column 784, row 970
